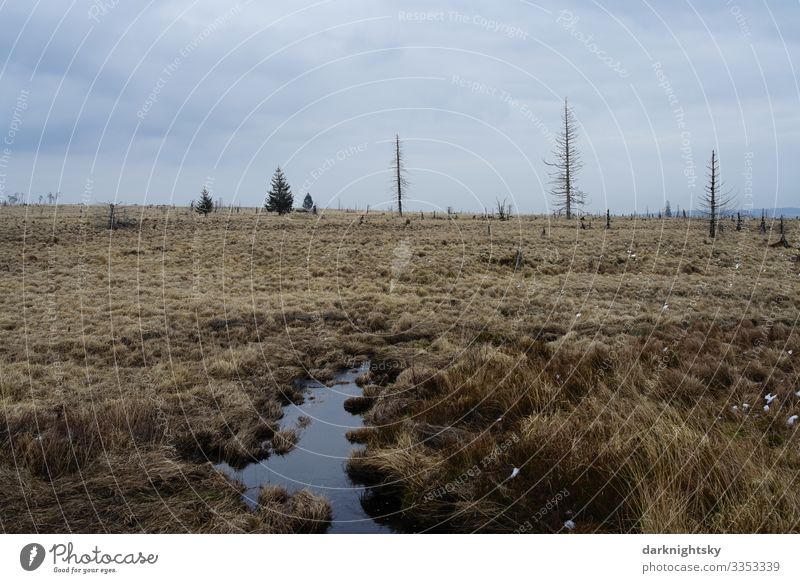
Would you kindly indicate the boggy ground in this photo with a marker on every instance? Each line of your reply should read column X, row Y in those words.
column 611, row 369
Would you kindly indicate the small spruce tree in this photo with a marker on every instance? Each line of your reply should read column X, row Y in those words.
column 205, row 205
column 279, row 198
column 308, row 202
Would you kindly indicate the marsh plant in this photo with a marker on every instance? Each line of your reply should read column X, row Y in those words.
column 634, row 367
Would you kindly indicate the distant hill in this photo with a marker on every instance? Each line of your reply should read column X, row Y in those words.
column 786, row 211
column 789, row 212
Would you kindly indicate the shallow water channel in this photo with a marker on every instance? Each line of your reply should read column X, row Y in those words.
column 318, row 460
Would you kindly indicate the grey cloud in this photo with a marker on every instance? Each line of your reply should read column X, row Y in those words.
column 194, row 89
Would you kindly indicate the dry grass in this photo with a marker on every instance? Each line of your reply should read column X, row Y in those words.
column 302, row 512
column 130, row 360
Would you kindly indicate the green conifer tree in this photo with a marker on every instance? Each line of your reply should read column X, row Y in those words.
column 205, row 205
column 279, row 198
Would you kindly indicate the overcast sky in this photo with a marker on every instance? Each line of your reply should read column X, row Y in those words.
column 147, row 102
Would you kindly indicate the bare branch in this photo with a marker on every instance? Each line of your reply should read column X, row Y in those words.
column 566, row 164
column 399, row 174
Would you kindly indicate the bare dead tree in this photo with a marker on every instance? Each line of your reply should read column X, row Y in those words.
column 566, row 165
column 112, row 218
column 714, row 202
column 503, row 210
column 399, row 171
column 118, row 216
column 782, row 242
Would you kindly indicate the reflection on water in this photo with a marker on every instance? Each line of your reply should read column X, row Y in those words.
column 318, row 461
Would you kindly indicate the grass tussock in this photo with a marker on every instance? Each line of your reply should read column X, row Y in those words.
column 628, row 457
column 285, row 440
column 358, row 405
column 302, row 512
column 623, row 372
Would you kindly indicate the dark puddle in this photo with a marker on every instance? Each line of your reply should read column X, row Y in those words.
column 318, row 461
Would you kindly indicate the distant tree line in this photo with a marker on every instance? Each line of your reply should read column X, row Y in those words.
column 279, row 198
column 18, row 198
